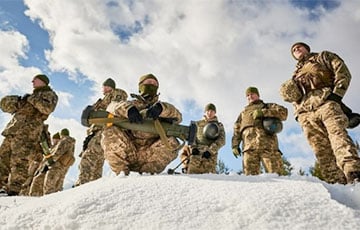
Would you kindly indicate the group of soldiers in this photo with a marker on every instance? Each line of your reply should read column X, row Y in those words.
column 32, row 164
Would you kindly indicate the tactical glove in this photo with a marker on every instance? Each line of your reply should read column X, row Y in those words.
column 195, row 151
column 334, row 97
column 154, row 111
column 236, row 151
column 257, row 114
column 206, row 155
column 134, row 116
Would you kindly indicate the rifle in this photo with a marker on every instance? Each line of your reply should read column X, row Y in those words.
column 45, row 147
column 185, row 133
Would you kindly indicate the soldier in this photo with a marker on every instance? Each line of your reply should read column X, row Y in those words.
column 21, row 147
column 142, row 152
column 316, row 90
column 62, row 155
column 210, row 137
column 37, row 183
column 92, row 156
column 256, row 128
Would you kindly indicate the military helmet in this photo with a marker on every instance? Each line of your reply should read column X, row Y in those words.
column 211, row 131
column 290, row 91
column 272, row 125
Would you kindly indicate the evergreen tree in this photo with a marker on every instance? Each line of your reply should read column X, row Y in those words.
column 221, row 168
column 287, row 167
column 301, row 172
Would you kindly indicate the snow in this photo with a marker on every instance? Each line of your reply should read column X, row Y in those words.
column 180, row 201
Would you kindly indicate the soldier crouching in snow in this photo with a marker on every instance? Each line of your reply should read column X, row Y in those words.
column 128, row 150
column 22, row 133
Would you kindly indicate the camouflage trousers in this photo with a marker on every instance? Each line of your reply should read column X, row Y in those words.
column 19, row 155
column 325, row 130
column 50, row 181
column 270, row 159
column 5, row 153
column 195, row 164
column 124, row 156
column 92, row 161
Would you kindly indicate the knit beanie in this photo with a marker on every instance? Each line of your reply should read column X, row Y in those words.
column 56, row 136
column 43, row 78
column 64, row 132
column 210, row 106
column 252, row 89
column 109, row 82
column 307, row 47
column 148, row 76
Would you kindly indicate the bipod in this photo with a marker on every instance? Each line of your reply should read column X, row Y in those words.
column 172, row 171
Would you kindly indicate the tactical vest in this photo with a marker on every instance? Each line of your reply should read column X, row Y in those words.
column 247, row 119
column 313, row 74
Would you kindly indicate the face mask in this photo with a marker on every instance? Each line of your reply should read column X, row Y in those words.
column 148, row 90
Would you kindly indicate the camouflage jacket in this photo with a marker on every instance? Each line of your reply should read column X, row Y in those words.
column 250, row 131
column 204, row 144
column 29, row 111
column 102, row 103
column 318, row 75
column 120, row 109
column 63, row 151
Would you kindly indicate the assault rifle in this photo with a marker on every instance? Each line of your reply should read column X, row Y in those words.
column 160, row 126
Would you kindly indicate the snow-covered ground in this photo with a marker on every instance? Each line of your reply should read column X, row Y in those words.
column 189, row 202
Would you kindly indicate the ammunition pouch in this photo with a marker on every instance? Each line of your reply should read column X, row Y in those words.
column 67, row 160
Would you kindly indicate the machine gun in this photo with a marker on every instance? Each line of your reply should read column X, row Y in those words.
column 184, row 133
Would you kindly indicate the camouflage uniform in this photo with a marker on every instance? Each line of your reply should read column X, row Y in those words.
column 52, row 176
column 320, row 76
column 22, row 133
column 92, row 157
column 197, row 163
column 257, row 145
column 128, row 150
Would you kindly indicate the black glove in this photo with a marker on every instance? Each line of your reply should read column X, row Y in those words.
column 206, row 155
column 195, row 151
column 87, row 140
column 134, row 116
column 334, row 97
column 45, row 169
column 154, row 111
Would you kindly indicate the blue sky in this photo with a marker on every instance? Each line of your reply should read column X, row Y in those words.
column 201, row 51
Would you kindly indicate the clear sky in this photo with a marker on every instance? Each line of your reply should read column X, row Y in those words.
column 201, row 51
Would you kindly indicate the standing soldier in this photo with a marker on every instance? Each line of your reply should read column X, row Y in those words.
column 92, row 156
column 128, row 150
column 62, row 157
column 210, row 137
column 316, row 91
column 22, row 134
column 37, row 183
column 256, row 128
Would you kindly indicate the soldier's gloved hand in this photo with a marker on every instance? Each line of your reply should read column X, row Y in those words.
column 154, row 111
column 334, row 97
column 257, row 114
column 195, row 151
column 206, row 155
column 236, row 151
column 134, row 116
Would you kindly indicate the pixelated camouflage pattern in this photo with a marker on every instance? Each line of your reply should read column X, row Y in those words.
column 323, row 122
column 5, row 153
column 127, row 150
column 325, row 130
column 23, row 133
column 197, row 164
column 52, row 180
column 290, row 91
column 257, row 145
column 92, row 161
column 92, row 158
column 9, row 104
